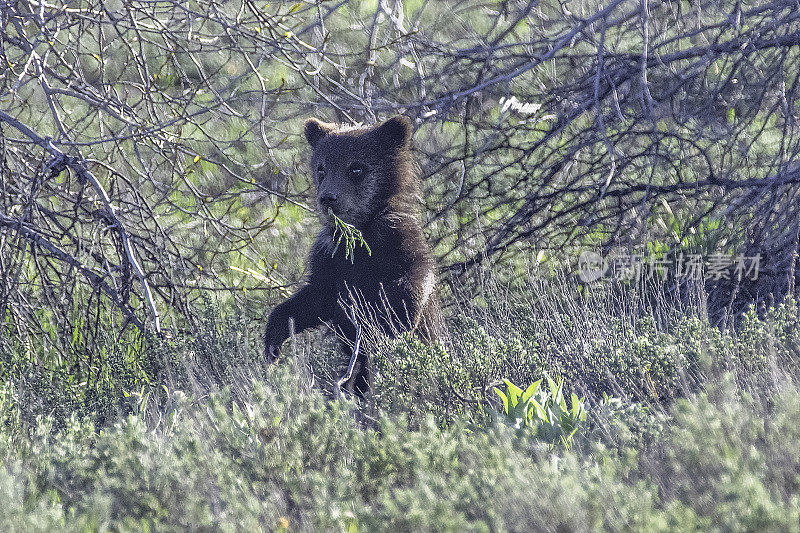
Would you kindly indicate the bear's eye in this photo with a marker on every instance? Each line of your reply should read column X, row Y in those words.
column 356, row 171
column 321, row 171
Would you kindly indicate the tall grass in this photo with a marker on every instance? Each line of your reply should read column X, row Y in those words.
column 688, row 427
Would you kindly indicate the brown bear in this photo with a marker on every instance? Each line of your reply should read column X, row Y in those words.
column 364, row 176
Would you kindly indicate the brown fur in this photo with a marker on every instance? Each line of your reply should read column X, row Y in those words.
column 365, row 175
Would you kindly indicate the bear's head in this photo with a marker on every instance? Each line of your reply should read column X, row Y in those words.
column 358, row 170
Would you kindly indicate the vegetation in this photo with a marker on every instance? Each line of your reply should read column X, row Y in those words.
column 696, row 433
column 154, row 205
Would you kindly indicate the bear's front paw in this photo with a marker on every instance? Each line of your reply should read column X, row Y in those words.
column 280, row 324
column 272, row 352
column 273, row 339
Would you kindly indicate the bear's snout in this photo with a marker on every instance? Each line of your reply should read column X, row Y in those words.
column 328, row 199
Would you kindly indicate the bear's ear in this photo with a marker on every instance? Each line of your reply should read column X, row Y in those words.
column 315, row 130
column 394, row 133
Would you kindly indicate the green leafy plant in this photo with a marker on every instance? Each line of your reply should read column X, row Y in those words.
column 545, row 412
column 349, row 234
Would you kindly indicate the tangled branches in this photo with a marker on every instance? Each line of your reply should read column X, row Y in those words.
column 149, row 151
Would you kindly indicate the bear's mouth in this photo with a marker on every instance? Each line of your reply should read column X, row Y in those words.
column 330, row 217
column 339, row 221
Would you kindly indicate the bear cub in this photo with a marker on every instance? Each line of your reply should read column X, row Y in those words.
column 364, row 176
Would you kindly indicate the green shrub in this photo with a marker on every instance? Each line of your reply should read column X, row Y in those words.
column 732, row 459
column 545, row 412
column 277, row 454
column 195, row 433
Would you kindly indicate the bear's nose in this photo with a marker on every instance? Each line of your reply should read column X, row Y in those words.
column 328, row 198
